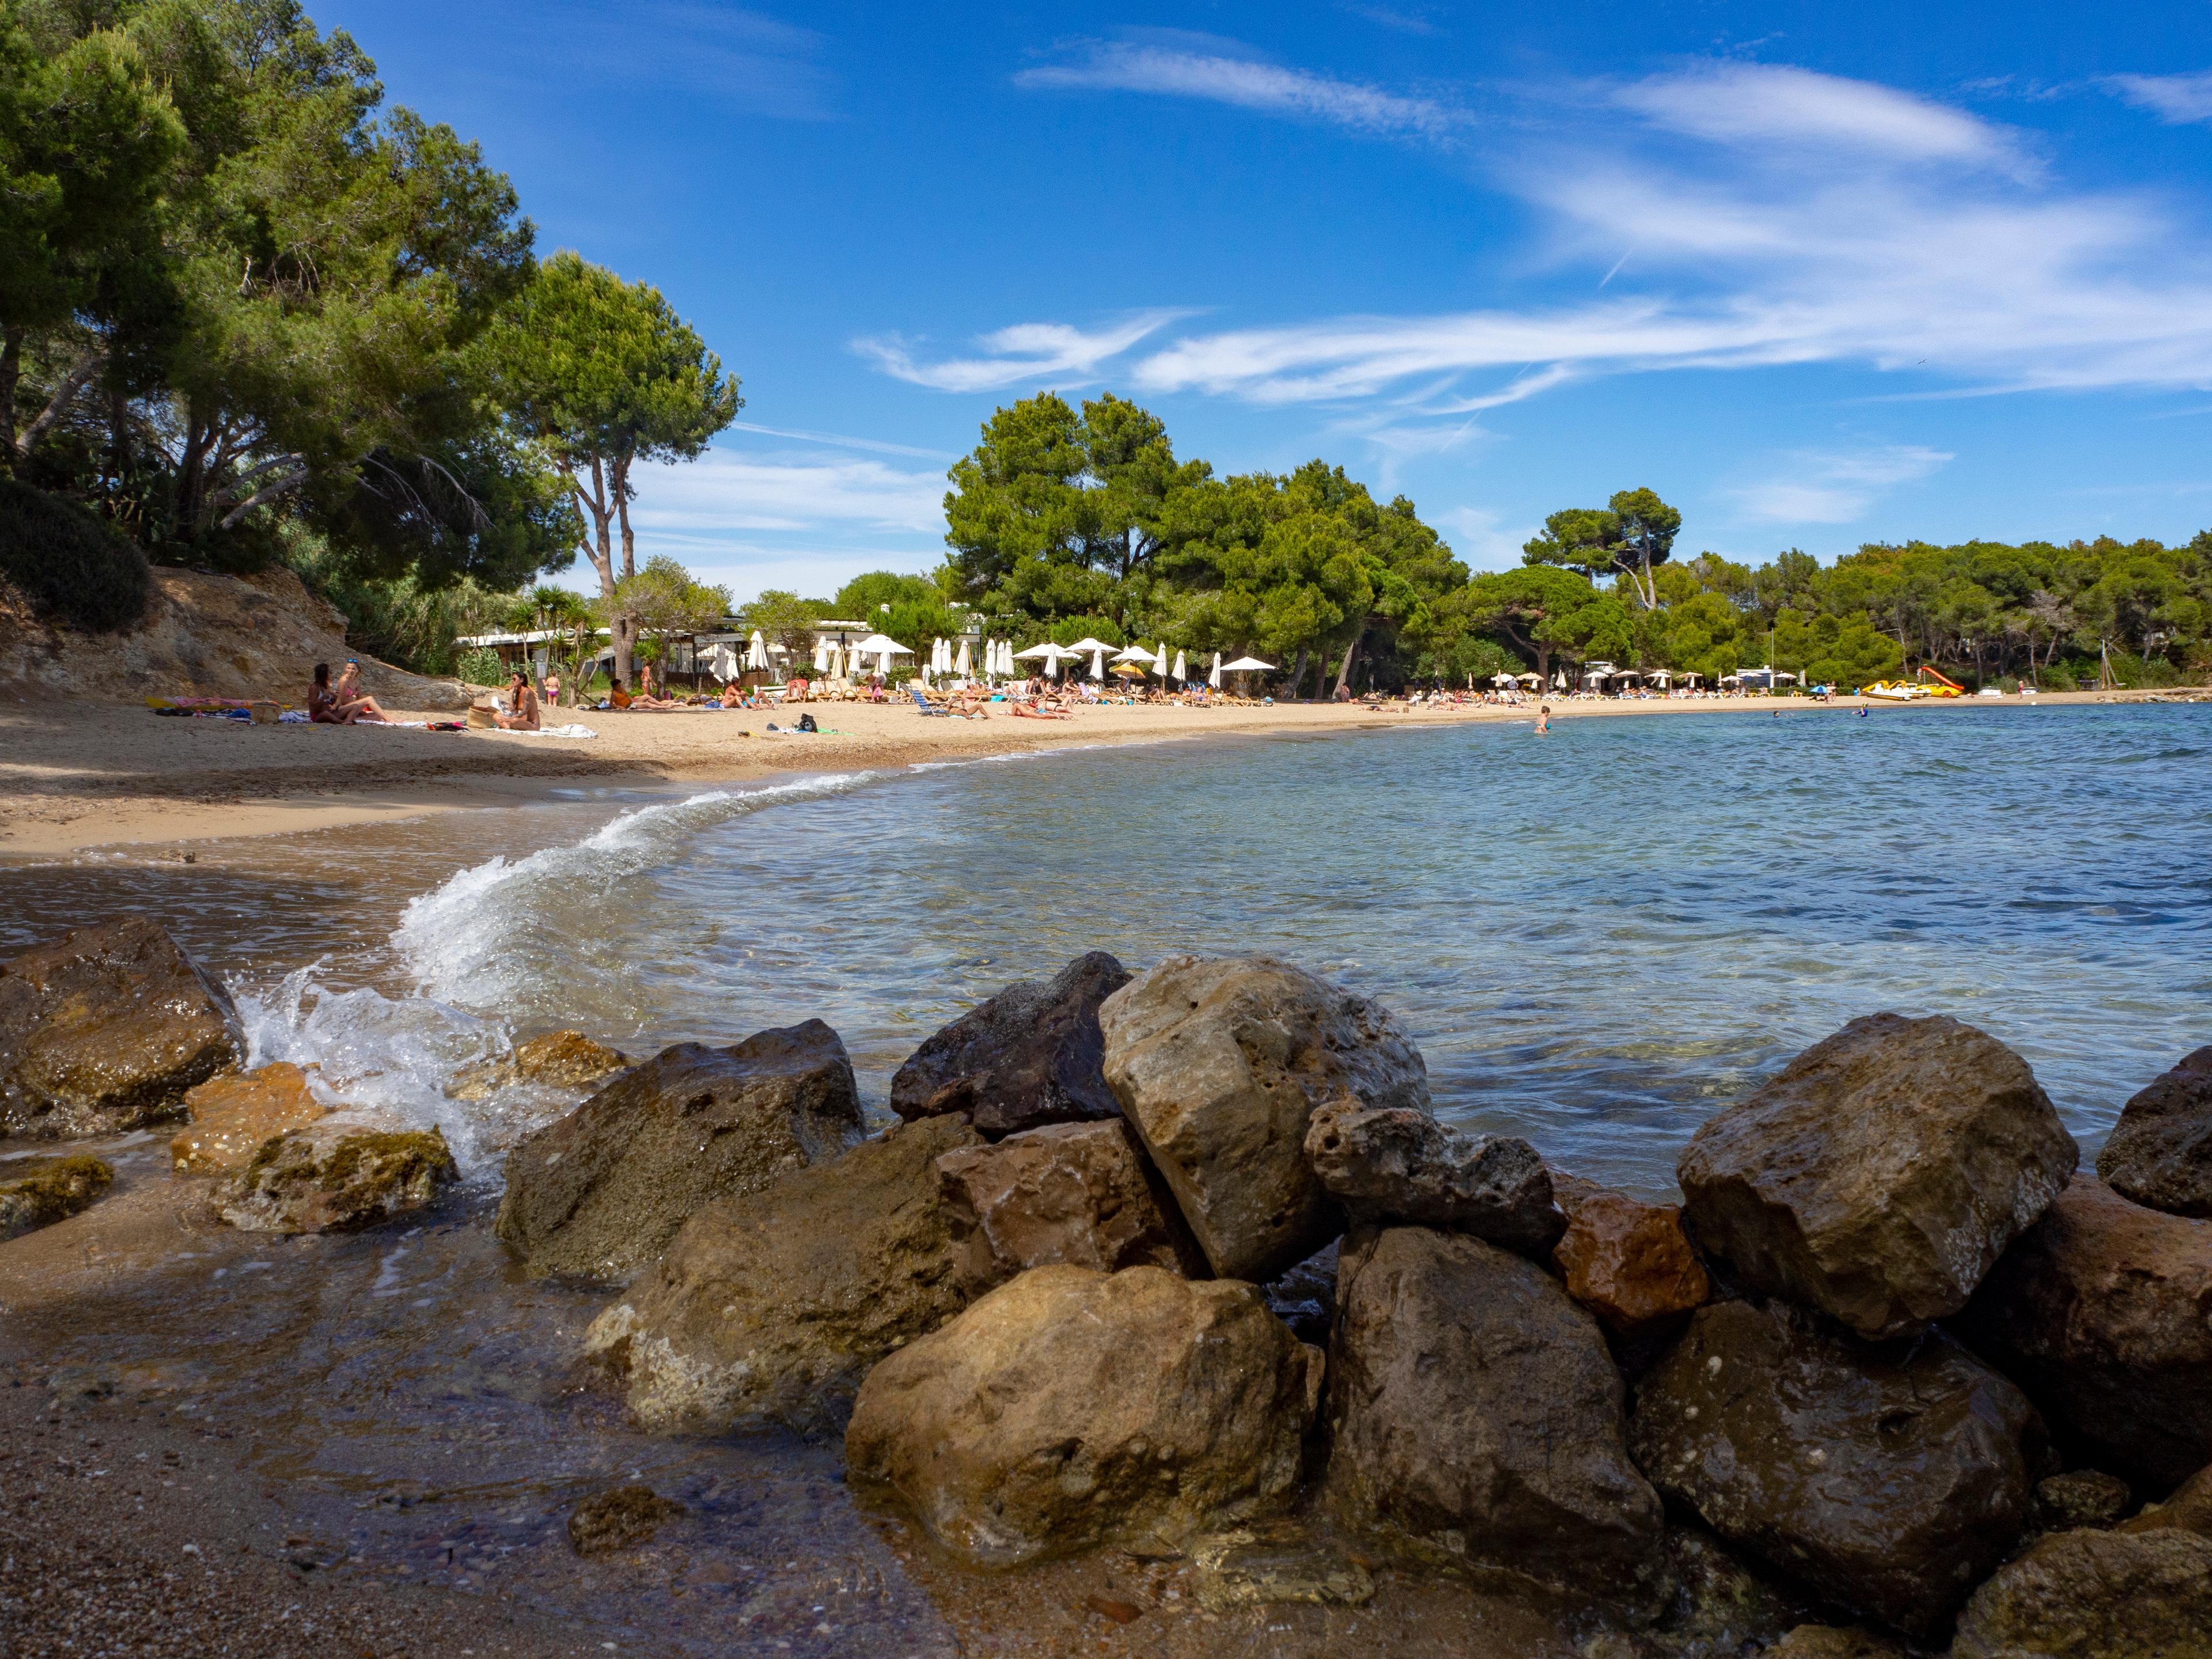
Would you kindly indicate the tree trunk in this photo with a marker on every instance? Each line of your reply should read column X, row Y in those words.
column 625, row 628
column 58, row 405
column 12, row 371
column 1344, row 668
column 600, row 550
column 1298, row 674
column 191, row 476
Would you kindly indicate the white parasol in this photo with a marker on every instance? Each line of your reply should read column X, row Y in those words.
column 1179, row 674
column 1213, row 680
column 757, row 652
column 960, row 662
column 1160, row 660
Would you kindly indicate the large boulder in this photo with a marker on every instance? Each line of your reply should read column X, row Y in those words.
column 557, row 1059
column 37, row 1192
column 1627, row 1261
column 1397, row 1165
column 1075, row 1193
column 1474, row 1411
column 2160, row 1153
column 601, row 1192
column 234, row 1115
column 1880, row 1174
column 772, row 1306
column 2189, row 1507
column 1891, row 1478
column 105, row 1029
column 1219, row 1066
column 2092, row 1594
column 1027, row 1057
column 335, row 1178
column 2103, row 1312
column 1070, row 1408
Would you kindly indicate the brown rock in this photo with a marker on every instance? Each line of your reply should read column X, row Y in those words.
column 104, row 1031
column 1474, row 1411
column 1219, row 1065
column 1274, row 1564
column 1399, row 1166
column 2080, row 1498
column 2103, row 1313
column 770, row 1307
column 2091, row 1595
column 1833, row 1642
column 1880, row 1174
column 600, row 1193
column 620, row 1519
column 1072, row 1193
column 2160, row 1153
column 1027, row 1057
column 1629, row 1262
column 335, row 1178
column 1720, row 1605
column 1890, row 1478
column 1070, row 1408
column 39, row 1191
column 234, row 1117
column 558, row 1059
column 2188, row 1508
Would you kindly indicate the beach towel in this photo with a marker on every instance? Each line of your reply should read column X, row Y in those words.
column 548, row 731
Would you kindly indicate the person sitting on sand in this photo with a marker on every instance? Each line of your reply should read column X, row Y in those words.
column 617, row 697
column 342, row 706
column 522, row 714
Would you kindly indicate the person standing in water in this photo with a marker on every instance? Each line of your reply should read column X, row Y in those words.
column 1544, row 720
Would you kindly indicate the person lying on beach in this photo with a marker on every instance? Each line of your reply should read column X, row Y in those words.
column 329, row 707
column 521, row 713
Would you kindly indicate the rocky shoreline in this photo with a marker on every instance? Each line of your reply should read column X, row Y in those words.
column 1183, row 1266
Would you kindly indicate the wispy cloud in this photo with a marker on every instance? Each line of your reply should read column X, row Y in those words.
column 1056, row 354
column 1828, row 487
column 2177, row 100
column 699, row 503
column 1220, row 73
column 744, row 60
column 837, row 440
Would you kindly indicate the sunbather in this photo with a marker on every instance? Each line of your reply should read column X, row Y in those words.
column 345, row 705
column 521, row 712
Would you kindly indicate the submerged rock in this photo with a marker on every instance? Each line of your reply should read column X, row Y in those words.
column 45, row 1190
column 2103, row 1313
column 2089, row 1595
column 1399, row 1166
column 600, row 1193
column 558, row 1059
column 1880, row 1174
column 1629, row 1262
column 1720, row 1604
column 2160, row 1153
column 1474, row 1411
column 105, row 1029
column 1072, row 1193
column 1891, row 1478
column 335, row 1178
column 1274, row 1565
column 1219, row 1065
column 235, row 1116
column 1027, row 1057
column 1070, row 1408
column 619, row 1520
column 770, row 1307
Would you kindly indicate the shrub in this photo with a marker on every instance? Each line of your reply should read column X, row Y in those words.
column 71, row 563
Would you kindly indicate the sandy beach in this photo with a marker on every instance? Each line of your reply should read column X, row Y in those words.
column 83, row 774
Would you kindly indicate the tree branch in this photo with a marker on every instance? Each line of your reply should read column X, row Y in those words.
column 297, row 474
column 65, row 394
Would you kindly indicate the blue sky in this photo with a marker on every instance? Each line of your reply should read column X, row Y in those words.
column 1818, row 275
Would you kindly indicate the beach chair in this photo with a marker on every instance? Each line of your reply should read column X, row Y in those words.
column 924, row 704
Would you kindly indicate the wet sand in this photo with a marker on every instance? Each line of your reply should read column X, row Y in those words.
column 84, row 774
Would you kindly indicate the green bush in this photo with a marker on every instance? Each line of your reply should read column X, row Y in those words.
column 71, row 563
column 480, row 665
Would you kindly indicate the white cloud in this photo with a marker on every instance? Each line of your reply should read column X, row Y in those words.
column 1226, row 76
column 1476, row 536
column 701, row 502
column 2177, row 100
column 1836, row 488
column 1035, row 353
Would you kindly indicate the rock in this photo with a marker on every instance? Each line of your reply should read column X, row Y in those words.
column 771, row 1308
column 40, row 1191
column 234, row 1117
column 558, row 1059
column 1304, row 1298
column 2103, row 1313
column 335, row 1178
column 1890, row 1478
column 619, row 1520
column 1720, row 1605
column 1075, row 1192
column 601, row 1192
column 104, row 1031
column 2189, row 1507
column 1629, row 1262
column 1274, row 1565
column 1474, row 1411
column 1879, row 1177
column 1218, row 1065
column 1398, row 1165
column 2091, row 1595
column 1832, row 1641
column 1070, row 1408
column 2081, row 1498
column 1027, row 1057
column 2160, row 1153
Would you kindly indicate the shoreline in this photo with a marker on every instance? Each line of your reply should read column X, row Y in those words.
column 82, row 777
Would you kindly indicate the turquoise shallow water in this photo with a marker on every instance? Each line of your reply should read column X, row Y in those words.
column 1597, row 937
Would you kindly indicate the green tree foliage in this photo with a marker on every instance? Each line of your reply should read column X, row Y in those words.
column 603, row 375
column 1633, row 534
column 1547, row 612
column 69, row 563
column 785, row 619
column 663, row 603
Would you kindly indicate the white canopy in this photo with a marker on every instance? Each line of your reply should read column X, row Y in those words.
column 877, row 644
column 1213, row 678
column 1133, row 654
column 960, row 662
column 1243, row 665
column 1502, row 679
column 1086, row 643
column 1179, row 674
column 1048, row 650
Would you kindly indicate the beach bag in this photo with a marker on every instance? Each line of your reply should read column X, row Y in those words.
column 265, row 712
column 480, row 716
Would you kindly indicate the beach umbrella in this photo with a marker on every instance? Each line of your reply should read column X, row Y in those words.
column 960, row 663
column 1246, row 666
column 1179, row 674
column 725, row 666
column 882, row 649
column 1098, row 648
column 757, row 652
column 1213, row 680
column 821, row 655
column 1160, row 659
column 1133, row 654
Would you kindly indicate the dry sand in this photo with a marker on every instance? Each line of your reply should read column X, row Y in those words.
column 84, row 774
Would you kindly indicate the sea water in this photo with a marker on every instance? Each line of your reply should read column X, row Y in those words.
column 1596, row 936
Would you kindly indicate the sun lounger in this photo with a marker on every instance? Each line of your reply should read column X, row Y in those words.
column 923, row 703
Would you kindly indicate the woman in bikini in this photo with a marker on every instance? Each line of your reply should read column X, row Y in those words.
column 522, row 715
column 354, row 704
